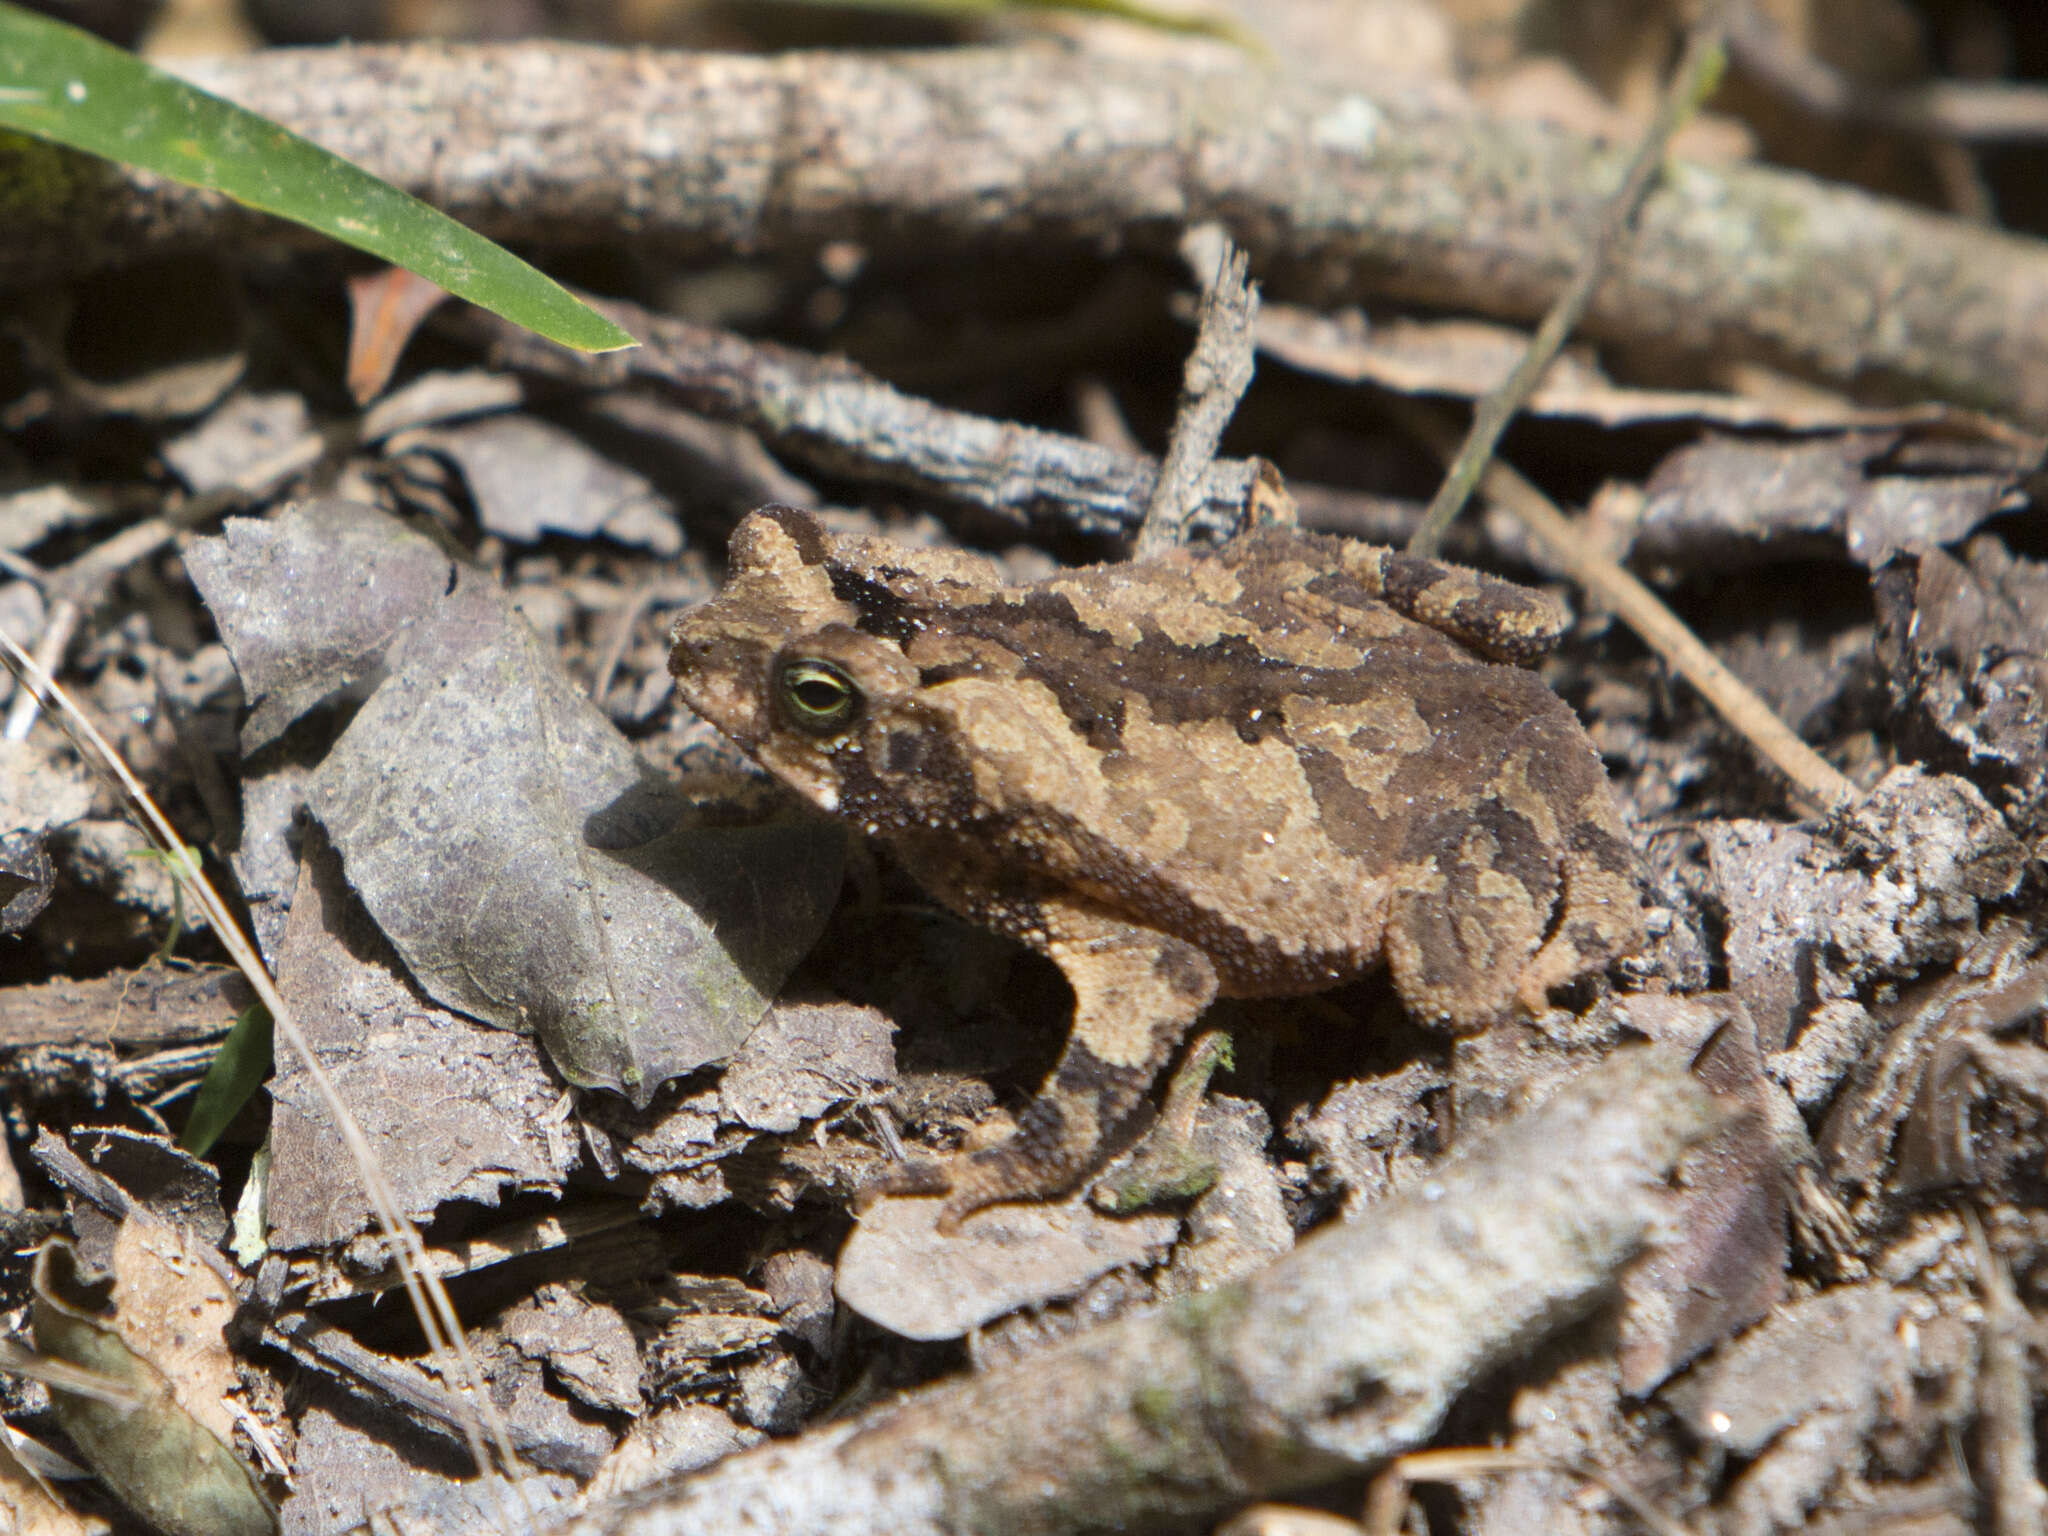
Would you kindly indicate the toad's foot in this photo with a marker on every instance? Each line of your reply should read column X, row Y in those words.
column 1136, row 992
column 1172, row 1162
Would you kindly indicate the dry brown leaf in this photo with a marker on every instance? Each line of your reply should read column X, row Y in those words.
column 385, row 308
column 170, row 1460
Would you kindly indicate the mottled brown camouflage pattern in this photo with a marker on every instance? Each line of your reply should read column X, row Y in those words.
column 1254, row 771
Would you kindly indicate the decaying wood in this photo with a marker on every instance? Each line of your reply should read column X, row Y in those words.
column 1343, row 1354
column 147, row 1010
column 1337, row 192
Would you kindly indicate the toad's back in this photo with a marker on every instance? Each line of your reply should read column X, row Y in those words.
column 1257, row 770
column 1249, row 748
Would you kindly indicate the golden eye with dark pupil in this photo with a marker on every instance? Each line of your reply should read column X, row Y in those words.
column 818, row 696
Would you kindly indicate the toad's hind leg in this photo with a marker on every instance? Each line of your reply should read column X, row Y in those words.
column 1600, row 917
column 1466, row 920
column 1136, row 992
column 1518, row 895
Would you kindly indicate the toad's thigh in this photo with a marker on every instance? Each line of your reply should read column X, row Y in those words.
column 1471, row 914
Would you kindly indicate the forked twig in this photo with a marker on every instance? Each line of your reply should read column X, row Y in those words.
column 1218, row 371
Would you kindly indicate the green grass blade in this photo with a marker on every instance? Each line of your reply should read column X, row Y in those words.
column 238, row 1070
column 61, row 84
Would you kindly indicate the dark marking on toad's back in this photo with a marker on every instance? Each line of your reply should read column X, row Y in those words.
column 1255, row 771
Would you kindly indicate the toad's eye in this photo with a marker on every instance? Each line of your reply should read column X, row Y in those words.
column 817, row 696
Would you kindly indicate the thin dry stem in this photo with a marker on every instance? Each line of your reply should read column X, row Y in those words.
column 55, row 640
column 1697, row 69
column 1386, row 1500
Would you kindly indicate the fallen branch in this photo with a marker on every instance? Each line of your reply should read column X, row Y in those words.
column 149, row 1009
column 1343, row 1354
column 839, row 418
column 1336, row 193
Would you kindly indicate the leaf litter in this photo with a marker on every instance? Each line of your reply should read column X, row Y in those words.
column 1870, row 990
column 169, row 1456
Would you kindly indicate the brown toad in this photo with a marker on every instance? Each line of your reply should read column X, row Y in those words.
column 1249, row 772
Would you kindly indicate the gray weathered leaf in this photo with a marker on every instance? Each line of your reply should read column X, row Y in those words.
column 1713, row 498
column 895, row 1269
column 388, row 1055
column 308, row 604
column 805, row 1058
column 528, row 477
column 503, row 835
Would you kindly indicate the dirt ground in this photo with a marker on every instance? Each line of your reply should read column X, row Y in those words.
column 374, row 597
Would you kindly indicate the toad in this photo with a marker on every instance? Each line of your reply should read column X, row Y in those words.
column 1252, row 771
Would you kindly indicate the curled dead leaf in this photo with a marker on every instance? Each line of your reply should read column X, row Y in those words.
column 168, row 1457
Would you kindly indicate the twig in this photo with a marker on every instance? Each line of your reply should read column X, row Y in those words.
column 1978, row 111
column 59, row 626
column 834, row 415
column 624, row 622
column 1335, row 191
column 1942, row 120
column 74, row 588
column 1965, row 111
column 401, row 1387
column 1386, row 1500
column 17, row 1360
column 831, row 414
column 1218, row 372
column 1698, row 71
column 1811, row 775
column 1346, row 1352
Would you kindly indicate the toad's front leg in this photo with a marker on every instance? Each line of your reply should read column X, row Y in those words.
column 1136, row 992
